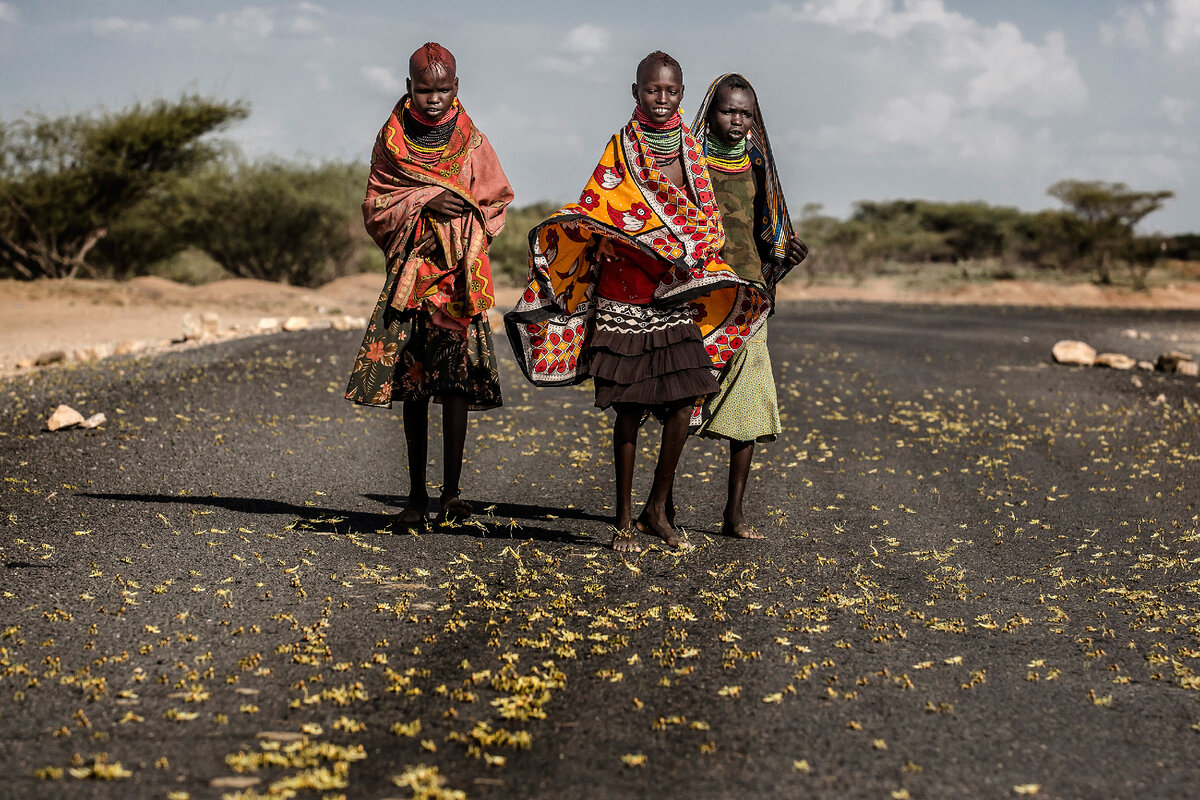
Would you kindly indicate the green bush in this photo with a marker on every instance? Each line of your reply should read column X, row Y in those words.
column 277, row 222
column 509, row 252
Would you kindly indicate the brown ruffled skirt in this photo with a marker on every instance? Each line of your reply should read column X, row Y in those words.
column 646, row 356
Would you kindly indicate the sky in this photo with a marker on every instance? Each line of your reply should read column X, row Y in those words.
column 863, row 99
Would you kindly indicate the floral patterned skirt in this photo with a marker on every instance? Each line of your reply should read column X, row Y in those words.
column 404, row 356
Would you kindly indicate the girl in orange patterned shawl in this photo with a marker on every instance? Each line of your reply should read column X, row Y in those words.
column 627, row 287
column 435, row 199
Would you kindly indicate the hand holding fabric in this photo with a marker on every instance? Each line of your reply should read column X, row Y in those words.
column 448, row 205
column 797, row 251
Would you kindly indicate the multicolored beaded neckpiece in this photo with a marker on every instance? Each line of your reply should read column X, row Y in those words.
column 663, row 140
column 427, row 139
column 726, row 157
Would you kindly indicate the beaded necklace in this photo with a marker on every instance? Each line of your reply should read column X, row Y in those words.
column 726, row 157
column 426, row 140
column 663, row 140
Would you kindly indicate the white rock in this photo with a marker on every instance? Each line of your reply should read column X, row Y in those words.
column 268, row 324
column 296, row 324
column 129, row 347
column 192, row 327
column 210, row 322
column 347, row 322
column 1171, row 360
column 1115, row 361
column 64, row 417
column 1148, row 366
column 1188, row 368
column 94, row 421
column 1069, row 351
column 1129, row 333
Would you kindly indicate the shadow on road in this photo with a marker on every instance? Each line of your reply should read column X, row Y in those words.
column 499, row 522
column 512, row 510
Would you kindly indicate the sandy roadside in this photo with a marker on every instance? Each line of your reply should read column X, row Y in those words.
column 83, row 319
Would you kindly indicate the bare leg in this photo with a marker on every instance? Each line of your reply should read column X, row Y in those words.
column 671, row 505
column 625, row 436
column 653, row 518
column 741, row 454
column 454, row 437
column 416, row 436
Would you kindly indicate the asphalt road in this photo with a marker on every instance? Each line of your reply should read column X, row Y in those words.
column 981, row 579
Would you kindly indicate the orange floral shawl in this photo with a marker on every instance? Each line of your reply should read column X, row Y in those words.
column 454, row 282
column 627, row 199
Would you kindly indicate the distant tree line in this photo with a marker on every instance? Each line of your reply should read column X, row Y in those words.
column 118, row 194
column 1094, row 231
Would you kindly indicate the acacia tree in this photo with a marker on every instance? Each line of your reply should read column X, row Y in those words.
column 1109, row 212
column 65, row 181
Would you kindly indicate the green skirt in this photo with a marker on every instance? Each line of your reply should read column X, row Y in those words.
column 746, row 408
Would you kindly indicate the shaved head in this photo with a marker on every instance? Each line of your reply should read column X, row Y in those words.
column 431, row 57
column 658, row 59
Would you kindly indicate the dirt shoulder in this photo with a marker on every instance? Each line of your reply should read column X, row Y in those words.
column 85, row 319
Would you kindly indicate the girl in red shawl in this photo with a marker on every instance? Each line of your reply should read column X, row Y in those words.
column 435, row 199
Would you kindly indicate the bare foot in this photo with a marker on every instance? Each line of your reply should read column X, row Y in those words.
column 741, row 530
column 454, row 509
column 663, row 530
column 624, row 541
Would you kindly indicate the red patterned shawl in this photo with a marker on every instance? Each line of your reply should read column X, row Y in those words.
column 454, row 282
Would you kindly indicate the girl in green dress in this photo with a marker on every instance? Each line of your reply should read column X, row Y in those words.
column 761, row 247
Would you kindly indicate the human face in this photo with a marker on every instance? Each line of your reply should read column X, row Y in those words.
column 731, row 115
column 432, row 92
column 659, row 91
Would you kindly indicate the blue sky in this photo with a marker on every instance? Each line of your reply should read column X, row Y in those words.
column 864, row 99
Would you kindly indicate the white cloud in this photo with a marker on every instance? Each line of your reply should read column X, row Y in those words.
column 999, row 67
column 920, row 121
column 307, row 26
column 1175, row 109
column 185, row 24
column 307, row 22
column 879, row 17
column 8, row 13
column 1129, row 25
column 579, row 51
column 1181, row 31
column 930, row 128
column 110, row 25
column 1017, row 75
column 587, row 40
column 383, row 79
column 251, row 20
